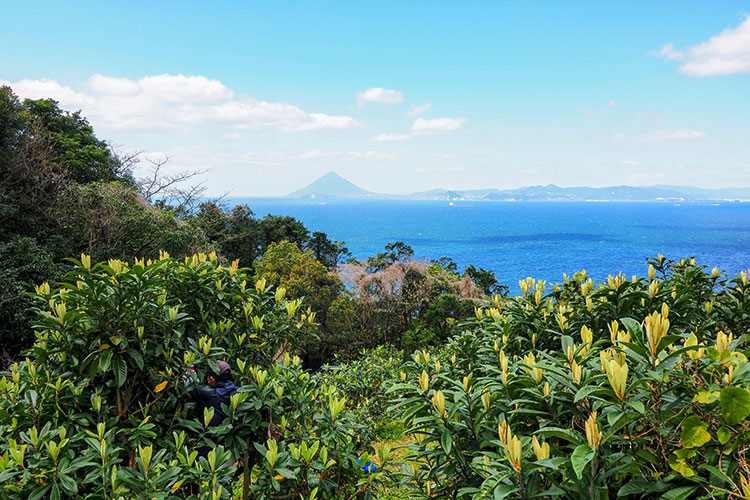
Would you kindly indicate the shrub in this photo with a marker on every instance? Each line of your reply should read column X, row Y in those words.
column 99, row 410
column 365, row 382
column 300, row 273
column 23, row 263
column 111, row 220
column 635, row 388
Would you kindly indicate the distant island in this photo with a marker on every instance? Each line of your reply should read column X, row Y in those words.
column 333, row 186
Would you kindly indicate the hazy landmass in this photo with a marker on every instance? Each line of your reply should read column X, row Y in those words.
column 333, row 186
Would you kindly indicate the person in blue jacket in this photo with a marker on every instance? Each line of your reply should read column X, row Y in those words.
column 218, row 389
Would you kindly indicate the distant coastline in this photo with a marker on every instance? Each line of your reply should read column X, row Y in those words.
column 332, row 186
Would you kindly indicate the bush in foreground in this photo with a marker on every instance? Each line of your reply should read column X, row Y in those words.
column 631, row 389
column 98, row 408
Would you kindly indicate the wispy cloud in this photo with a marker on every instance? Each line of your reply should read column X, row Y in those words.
column 379, row 95
column 666, row 135
column 371, row 155
column 390, row 137
column 315, row 153
column 415, row 110
column 724, row 54
column 175, row 101
column 192, row 157
column 670, row 53
column 428, row 126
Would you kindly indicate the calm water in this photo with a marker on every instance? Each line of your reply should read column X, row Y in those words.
column 541, row 239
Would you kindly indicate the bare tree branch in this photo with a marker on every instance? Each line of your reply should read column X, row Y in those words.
column 126, row 161
column 156, row 183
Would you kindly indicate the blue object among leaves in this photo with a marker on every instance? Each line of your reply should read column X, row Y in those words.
column 368, row 467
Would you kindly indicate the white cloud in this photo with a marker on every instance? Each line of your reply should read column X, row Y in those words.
column 629, row 162
column 371, row 155
column 442, row 156
column 670, row 53
column 666, row 135
column 197, row 157
column 379, row 95
column 178, row 88
column 611, row 103
column 427, row 126
column 317, row 121
column 390, row 137
column 43, row 88
column 724, row 54
column 415, row 110
column 316, row 153
column 175, row 101
column 112, row 85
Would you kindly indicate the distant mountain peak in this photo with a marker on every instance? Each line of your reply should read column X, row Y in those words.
column 332, row 185
column 332, row 175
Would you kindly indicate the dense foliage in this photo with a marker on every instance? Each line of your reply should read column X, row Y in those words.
column 239, row 234
column 63, row 191
column 365, row 382
column 630, row 389
column 392, row 299
column 100, row 409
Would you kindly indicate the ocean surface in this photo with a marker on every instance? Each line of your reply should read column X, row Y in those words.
column 538, row 239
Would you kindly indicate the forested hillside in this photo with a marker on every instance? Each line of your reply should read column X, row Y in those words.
column 64, row 191
column 116, row 303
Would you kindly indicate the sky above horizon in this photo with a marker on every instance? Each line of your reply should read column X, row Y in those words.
column 401, row 96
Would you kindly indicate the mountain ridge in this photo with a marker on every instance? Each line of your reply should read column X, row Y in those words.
column 333, row 186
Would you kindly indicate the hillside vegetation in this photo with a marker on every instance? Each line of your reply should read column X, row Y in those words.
column 630, row 388
column 64, row 192
column 443, row 387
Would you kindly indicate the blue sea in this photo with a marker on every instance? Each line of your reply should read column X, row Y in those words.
column 538, row 239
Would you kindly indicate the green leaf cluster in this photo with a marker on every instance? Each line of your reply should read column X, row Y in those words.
column 101, row 407
column 632, row 388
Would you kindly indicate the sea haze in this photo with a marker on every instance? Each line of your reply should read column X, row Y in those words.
column 538, row 239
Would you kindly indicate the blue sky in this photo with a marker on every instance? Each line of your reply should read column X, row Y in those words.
column 401, row 96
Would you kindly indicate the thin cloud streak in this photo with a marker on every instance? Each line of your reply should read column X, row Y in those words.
column 668, row 135
column 416, row 110
column 379, row 95
column 390, row 137
column 428, row 126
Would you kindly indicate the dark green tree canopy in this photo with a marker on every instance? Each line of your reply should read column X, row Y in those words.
column 397, row 251
column 76, row 149
column 486, row 281
column 329, row 253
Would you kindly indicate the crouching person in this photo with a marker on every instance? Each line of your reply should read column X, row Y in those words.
column 217, row 390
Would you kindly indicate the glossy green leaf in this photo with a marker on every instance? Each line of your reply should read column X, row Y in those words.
column 735, row 404
column 580, row 457
column 446, row 441
column 723, row 435
column 680, row 493
column 120, row 370
column 104, row 360
column 694, row 432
